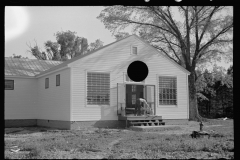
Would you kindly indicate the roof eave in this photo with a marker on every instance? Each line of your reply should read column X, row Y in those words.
column 16, row 76
column 50, row 72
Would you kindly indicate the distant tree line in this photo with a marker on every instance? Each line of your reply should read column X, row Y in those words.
column 18, row 56
column 215, row 93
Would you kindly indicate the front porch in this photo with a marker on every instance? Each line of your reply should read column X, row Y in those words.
column 127, row 95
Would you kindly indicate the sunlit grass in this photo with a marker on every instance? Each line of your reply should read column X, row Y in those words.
column 127, row 144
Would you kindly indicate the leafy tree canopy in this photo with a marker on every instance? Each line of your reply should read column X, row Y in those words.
column 67, row 46
column 95, row 45
column 121, row 35
column 188, row 35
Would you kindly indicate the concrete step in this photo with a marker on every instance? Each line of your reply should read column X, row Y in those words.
column 155, row 128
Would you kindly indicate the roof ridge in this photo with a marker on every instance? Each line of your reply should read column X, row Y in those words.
column 31, row 59
column 80, row 56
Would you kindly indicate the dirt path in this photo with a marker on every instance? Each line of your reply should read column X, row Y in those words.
column 110, row 145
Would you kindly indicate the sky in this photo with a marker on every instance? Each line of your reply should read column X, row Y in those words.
column 24, row 25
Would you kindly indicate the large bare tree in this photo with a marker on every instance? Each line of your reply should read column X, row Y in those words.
column 188, row 35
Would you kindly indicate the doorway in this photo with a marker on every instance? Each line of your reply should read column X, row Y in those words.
column 127, row 95
column 133, row 92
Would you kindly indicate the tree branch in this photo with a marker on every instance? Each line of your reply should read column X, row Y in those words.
column 194, row 16
column 170, row 23
column 161, row 40
column 187, row 36
column 207, row 23
column 196, row 36
column 221, row 32
column 172, row 49
column 166, row 53
column 130, row 21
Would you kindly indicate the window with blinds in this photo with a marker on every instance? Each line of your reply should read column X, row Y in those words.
column 98, row 88
column 167, row 90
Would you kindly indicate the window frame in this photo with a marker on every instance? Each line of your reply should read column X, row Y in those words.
column 158, row 100
column 131, row 49
column 57, row 76
column 86, row 88
column 9, row 80
column 46, row 84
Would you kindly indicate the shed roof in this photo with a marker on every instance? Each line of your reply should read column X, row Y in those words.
column 27, row 67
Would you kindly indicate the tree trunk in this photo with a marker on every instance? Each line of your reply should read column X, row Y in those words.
column 193, row 110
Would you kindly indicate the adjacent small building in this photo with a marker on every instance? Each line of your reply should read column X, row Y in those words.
column 93, row 89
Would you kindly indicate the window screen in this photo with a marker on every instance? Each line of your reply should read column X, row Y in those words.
column 9, row 84
column 58, row 80
column 167, row 90
column 47, row 83
column 98, row 88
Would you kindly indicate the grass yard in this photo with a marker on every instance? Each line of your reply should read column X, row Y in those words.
column 94, row 143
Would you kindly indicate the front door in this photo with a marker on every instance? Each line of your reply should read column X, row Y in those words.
column 132, row 93
column 150, row 96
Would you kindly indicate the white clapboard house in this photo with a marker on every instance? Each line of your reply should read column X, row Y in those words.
column 94, row 89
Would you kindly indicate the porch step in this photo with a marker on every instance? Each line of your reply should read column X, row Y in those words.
column 146, row 123
column 154, row 120
column 147, row 120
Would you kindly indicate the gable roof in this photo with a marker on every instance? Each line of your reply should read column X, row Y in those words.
column 64, row 64
column 34, row 67
column 27, row 67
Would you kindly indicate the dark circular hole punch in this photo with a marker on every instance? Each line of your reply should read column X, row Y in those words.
column 137, row 71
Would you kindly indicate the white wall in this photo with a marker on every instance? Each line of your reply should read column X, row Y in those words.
column 54, row 102
column 21, row 103
column 115, row 59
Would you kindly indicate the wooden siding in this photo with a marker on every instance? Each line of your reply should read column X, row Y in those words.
column 21, row 103
column 115, row 59
column 54, row 102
